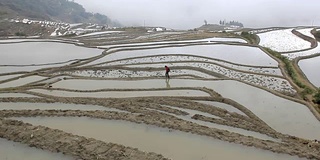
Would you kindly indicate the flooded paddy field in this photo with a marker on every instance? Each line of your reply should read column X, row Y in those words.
column 309, row 52
column 194, row 59
column 309, row 68
column 225, row 99
column 271, row 108
column 119, row 94
column 43, row 53
column 175, row 42
column 2, row 78
column 7, row 69
column 20, row 40
column 6, row 95
column 53, row 106
column 13, row 151
column 283, row 41
column 21, row 81
column 172, row 144
column 231, row 53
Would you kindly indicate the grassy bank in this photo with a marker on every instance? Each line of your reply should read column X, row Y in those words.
column 252, row 38
column 305, row 91
column 316, row 34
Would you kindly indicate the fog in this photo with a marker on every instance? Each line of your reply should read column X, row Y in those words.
column 188, row 14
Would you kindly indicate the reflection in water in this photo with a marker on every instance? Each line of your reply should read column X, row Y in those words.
column 281, row 114
column 172, row 144
column 123, row 94
column 15, row 151
column 308, row 67
column 34, row 53
column 167, row 83
column 248, row 56
column 53, row 106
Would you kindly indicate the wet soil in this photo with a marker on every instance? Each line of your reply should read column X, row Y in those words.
column 139, row 114
column 143, row 110
column 59, row 141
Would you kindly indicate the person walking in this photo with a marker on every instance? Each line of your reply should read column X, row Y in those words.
column 167, row 72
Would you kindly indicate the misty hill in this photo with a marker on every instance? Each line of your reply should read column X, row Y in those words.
column 231, row 23
column 222, row 26
column 53, row 10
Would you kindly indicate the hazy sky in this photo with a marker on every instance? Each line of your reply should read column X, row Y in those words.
column 187, row 14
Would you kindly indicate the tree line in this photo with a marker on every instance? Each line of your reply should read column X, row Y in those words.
column 62, row 10
column 230, row 23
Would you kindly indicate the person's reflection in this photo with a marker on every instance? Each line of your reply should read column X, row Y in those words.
column 167, row 83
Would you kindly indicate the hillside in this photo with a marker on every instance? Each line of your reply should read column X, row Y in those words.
column 53, row 10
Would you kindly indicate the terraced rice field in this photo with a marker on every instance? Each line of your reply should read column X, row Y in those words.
column 310, row 68
column 225, row 99
column 283, row 41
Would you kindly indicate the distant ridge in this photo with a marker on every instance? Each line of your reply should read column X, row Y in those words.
column 53, row 10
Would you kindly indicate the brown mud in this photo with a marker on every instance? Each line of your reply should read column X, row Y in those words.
column 58, row 141
column 146, row 110
column 139, row 113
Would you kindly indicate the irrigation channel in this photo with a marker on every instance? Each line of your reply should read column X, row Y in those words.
column 85, row 99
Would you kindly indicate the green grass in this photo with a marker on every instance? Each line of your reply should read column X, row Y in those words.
column 292, row 73
column 250, row 37
column 317, row 97
column 317, row 34
column 20, row 34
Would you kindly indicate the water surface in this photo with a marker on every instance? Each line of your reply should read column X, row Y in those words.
column 310, row 68
column 281, row 114
column 175, row 144
column 122, row 94
column 43, row 53
column 52, row 106
column 21, row 81
column 232, row 53
column 16, row 151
